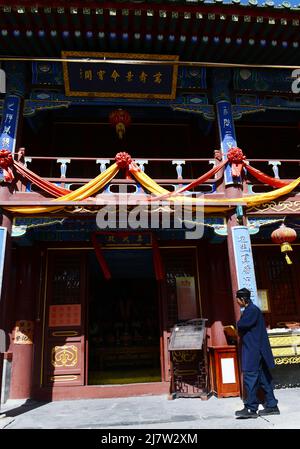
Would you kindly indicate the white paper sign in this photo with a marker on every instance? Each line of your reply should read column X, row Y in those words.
column 228, row 373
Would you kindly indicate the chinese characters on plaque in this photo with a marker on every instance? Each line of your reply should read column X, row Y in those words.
column 227, row 134
column 98, row 79
column 244, row 260
column 9, row 123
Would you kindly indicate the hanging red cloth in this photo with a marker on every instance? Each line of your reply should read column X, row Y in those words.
column 157, row 262
column 100, row 257
column 274, row 182
column 203, row 178
column 43, row 184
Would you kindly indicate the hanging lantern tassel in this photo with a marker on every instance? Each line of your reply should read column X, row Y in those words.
column 285, row 247
column 284, row 236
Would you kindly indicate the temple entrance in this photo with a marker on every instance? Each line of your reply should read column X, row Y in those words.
column 123, row 319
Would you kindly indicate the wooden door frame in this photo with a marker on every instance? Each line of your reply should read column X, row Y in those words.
column 50, row 253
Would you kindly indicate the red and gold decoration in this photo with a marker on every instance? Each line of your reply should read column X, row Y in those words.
column 125, row 162
column 120, row 119
column 64, row 356
column 24, row 332
column 284, row 236
column 6, row 162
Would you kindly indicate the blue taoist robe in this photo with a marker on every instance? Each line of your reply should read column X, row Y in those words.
column 254, row 339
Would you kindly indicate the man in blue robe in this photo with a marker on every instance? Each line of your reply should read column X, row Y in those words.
column 257, row 359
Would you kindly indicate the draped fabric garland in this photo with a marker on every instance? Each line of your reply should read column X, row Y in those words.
column 235, row 158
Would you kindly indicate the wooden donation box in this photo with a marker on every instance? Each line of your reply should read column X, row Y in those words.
column 225, row 370
column 188, row 360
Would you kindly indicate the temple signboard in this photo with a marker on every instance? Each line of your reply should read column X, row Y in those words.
column 244, row 260
column 120, row 79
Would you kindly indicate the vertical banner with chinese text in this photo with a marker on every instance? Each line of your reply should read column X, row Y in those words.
column 9, row 123
column 227, row 136
column 244, row 260
column 118, row 79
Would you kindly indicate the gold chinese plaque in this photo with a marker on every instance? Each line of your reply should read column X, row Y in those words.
column 140, row 76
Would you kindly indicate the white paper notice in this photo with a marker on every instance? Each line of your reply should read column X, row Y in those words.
column 228, row 373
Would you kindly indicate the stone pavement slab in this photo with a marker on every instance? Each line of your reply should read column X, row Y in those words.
column 147, row 412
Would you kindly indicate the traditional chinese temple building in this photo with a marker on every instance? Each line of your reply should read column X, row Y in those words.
column 149, row 168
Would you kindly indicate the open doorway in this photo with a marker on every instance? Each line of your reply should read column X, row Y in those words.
column 123, row 319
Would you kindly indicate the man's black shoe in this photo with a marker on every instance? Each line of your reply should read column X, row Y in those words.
column 245, row 413
column 238, row 412
column 269, row 411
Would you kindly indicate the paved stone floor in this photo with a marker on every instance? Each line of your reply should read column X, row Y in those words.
column 147, row 412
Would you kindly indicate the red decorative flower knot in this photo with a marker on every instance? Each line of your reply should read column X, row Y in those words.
column 235, row 155
column 6, row 159
column 123, row 160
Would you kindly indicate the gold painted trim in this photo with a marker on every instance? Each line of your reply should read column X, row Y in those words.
column 198, row 278
column 40, row 290
column 63, row 378
column 64, row 334
column 287, row 360
column 44, row 318
column 179, row 63
column 132, row 56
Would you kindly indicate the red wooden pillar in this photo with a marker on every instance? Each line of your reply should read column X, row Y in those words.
column 6, row 301
column 22, row 367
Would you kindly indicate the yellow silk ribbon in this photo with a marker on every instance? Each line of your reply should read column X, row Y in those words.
column 250, row 201
column 83, row 192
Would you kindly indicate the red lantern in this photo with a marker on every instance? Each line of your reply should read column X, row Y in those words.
column 120, row 119
column 284, row 236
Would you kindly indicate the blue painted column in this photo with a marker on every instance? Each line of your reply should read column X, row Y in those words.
column 227, row 136
column 12, row 114
column 233, row 188
column 9, row 134
column 10, row 129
